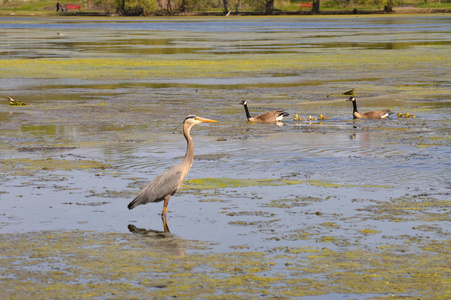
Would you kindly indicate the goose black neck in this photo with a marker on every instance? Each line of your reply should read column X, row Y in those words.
column 248, row 115
column 354, row 104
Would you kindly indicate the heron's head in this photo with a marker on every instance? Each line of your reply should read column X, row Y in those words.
column 243, row 102
column 351, row 99
column 194, row 120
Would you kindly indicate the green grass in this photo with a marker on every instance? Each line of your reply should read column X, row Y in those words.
column 36, row 5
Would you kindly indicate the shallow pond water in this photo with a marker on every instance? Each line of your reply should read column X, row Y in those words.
column 331, row 209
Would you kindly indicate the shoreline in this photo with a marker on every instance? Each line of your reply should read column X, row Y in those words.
column 401, row 10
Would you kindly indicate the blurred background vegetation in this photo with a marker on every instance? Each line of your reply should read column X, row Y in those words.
column 220, row 7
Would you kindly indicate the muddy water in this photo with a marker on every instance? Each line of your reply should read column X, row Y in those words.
column 321, row 209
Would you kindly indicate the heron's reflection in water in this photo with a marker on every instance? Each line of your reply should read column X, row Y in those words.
column 160, row 240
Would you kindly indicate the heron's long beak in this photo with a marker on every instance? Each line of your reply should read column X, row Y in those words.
column 207, row 120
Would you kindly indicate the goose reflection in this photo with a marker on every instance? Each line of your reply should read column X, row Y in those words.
column 160, row 240
column 363, row 142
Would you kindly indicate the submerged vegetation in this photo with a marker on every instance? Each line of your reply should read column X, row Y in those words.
column 371, row 62
column 215, row 183
column 77, row 264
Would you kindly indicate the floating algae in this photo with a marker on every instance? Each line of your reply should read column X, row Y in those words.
column 216, row 183
column 81, row 264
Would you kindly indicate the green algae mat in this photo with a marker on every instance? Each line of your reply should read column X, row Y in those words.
column 77, row 264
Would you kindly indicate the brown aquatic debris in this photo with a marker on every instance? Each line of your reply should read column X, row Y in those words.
column 15, row 102
column 347, row 93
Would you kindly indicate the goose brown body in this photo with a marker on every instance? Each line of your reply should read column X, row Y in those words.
column 375, row 114
column 267, row 117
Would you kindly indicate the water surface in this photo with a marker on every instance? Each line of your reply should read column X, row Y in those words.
column 105, row 101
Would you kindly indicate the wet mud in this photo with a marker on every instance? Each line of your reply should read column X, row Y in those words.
column 321, row 209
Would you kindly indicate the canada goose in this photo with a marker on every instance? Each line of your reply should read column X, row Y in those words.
column 267, row 117
column 310, row 118
column 15, row 102
column 321, row 117
column 297, row 118
column 375, row 114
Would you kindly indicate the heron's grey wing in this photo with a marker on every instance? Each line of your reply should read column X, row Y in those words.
column 161, row 186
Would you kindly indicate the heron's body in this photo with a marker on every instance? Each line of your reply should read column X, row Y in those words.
column 375, row 114
column 267, row 117
column 161, row 187
column 166, row 184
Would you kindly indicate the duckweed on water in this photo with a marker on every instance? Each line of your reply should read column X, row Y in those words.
column 217, row 183
column 132, row 68
column 410, row 208
column 81, row 264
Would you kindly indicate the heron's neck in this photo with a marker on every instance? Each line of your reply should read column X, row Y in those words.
column 189, row 146
column 248, row 115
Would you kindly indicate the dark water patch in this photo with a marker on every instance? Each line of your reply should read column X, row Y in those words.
column 211, row 83
column 138, row 49
column 44, row 149
column 70, row 130
column 385, row 46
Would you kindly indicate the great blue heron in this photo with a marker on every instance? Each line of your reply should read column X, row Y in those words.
column 267, row 117
column 375, row 114
column 166, row 184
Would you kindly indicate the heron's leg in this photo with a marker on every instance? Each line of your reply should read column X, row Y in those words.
column 165, row 224
column 165, row 206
